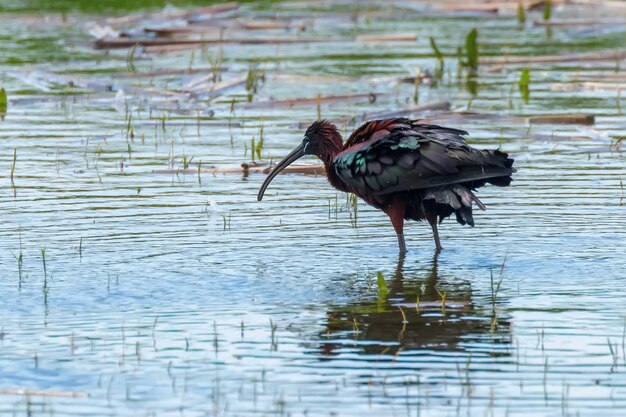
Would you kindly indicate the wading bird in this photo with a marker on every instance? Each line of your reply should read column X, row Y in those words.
column 406, row 169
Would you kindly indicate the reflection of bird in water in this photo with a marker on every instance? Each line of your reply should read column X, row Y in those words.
column 379, row 326
column 409, row 170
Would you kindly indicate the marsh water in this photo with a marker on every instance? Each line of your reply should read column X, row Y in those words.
column 134, row 283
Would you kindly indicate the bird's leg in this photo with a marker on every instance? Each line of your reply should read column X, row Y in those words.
column 395, row 210
column 401, row 243
column 432, row 219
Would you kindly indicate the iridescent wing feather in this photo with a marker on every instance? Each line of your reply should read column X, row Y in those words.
column 396, row 155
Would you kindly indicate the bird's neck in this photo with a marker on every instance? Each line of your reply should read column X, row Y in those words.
column 333, row 146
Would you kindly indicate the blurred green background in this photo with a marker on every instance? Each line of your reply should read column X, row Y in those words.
column 95, row 6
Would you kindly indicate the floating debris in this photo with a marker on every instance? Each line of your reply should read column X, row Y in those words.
column 579, row 22
column 549, row 59
column 205, row 86
column 248, row 168
column 589, row 86
column 43, row 393
column 370, row 97
column 390, row 37
column 581, row 119
column 153, row 43
column 501, row 7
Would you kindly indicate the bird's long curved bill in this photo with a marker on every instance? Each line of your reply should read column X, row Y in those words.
column 284, row 163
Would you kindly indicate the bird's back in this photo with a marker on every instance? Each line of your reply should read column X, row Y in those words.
column 378, row 129
column 388, row 158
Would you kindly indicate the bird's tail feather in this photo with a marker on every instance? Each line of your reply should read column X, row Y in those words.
column 455, row 199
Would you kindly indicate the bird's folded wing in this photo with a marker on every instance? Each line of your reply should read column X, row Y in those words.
column 422, row 157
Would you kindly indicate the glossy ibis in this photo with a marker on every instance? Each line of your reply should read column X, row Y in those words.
column 407, row 169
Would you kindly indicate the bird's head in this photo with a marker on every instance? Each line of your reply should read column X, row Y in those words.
column 321, row 139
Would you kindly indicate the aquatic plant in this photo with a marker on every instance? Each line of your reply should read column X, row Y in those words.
column 259, row 145
column 495, row 288
column 524, row 85
column 547, row 10
column 521, row 14
column 130, row 59
column 471, row 51
column 186, row 161
column 19, row 258
column 439, row 56
column 436, row 51
column 404, row 319
column 442, row 297
column 43, row 259
column 273, row 339
column 253, row 80
column 3, row 103
column 215, row 62
column 383, row 290
column 12, row 172
column 354, row 205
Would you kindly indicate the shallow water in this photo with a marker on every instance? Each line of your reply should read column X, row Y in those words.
column 173, row 294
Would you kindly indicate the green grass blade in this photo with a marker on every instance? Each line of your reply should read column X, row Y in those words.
column 383, row 290
column 3, row 100
column 547, row 10
column 521, row 13
column 436, row 51
column 524, row 85
column 471, row 49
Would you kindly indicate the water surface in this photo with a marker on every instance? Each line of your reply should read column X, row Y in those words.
column 171, row 293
